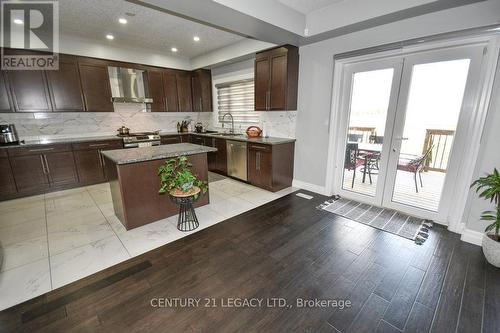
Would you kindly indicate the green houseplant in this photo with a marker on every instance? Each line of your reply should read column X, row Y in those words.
column 177, row 178
column 488, row 188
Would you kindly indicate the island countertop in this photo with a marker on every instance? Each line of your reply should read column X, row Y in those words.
column 134, row 155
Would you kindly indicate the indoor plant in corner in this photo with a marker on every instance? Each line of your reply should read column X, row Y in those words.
column 488, row 188
column 178, row 180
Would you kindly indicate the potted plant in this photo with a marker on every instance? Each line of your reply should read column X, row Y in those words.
column 183, row 126
column 177, row 179
column 488, row 188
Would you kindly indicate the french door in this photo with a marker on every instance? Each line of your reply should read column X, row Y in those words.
column 403, row 124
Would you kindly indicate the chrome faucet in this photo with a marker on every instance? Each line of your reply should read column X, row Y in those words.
column 232, row 121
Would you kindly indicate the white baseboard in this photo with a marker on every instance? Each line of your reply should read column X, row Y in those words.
column 472, row 236
column 309, row 187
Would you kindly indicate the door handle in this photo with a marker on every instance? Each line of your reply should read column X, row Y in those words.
column 402, row 139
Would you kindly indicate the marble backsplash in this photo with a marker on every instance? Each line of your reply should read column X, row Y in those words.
column 37, row 126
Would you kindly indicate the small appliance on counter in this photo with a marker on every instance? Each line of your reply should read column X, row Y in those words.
column 198, row 127
column 8, row 135
column 253, row 132
column 123, row 131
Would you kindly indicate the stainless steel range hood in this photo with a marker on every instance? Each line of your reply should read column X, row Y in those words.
column 128, row 85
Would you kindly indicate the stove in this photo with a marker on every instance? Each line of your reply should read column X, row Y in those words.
column 145, row 139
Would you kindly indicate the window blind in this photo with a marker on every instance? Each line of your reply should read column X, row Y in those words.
column 237, row 98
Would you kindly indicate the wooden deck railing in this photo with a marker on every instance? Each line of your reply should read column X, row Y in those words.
column 441, row 142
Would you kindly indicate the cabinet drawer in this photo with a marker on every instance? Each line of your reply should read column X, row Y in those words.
column 260, row 147
column 107, row 144
column 165, row 140
column 40, row 149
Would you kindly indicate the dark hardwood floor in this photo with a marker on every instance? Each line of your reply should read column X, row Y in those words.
column 286, row 249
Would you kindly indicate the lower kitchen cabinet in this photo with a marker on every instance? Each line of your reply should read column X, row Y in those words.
column 220, row 156
column 89, row 166
column 29, row 173
column 270, row 166
column 37, row 169
column 167, row 140
column 7, row 184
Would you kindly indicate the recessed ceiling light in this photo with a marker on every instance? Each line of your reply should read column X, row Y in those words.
column 196, row 38
column 110, row 36
column 122, row 20
column 18, row 21
column 174, row 49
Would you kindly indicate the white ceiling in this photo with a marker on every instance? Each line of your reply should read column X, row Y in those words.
column 148, row 29
column 307, row 6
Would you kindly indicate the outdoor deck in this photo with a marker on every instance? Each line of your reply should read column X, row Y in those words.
column 427, row 197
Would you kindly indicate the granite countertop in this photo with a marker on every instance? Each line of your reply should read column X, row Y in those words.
column 143, row 154
column 244, row 138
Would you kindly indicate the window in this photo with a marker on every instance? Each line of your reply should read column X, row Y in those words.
column 237, row 98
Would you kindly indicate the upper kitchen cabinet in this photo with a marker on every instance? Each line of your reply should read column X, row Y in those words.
column 184, row 91
column 202, row 90
column 65, row 87
column 95, row 84
column 155, row 91
column 170, row 92
column 276, row 79
column 29, row 90
column 5, row 102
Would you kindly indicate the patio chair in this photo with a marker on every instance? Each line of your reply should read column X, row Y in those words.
column 352, row 137
column 416, row 165
column 376, row 139
column 352, row 160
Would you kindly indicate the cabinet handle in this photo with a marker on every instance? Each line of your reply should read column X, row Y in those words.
column 100, row 157
column 268, row 100
column 257, row 161
column 201, row 105
column 166, row 103
column 43, row 165
column 46, row 163
column 258, row 147
column 42, row 149
column 99, row 145
column 103, row 160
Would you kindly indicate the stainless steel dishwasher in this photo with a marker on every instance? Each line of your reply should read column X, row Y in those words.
column 237, row 159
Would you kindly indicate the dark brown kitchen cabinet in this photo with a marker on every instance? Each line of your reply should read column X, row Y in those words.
column 270, row 166
column 184, row 91
column 276, row 79
column 197, row 140
column 5, row 101
column 90, row 164
column 39, row 168
column 220, row 156
column 29, row 90
column 201, row 82
column 7, row 184
column 61, row 168
column 170, row 92
column 96, row 86
column 167, row 140
column 65, row 87
column 155, row 91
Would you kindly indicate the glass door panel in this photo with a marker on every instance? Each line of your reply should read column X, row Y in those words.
column 371, row 94
column 434, row 102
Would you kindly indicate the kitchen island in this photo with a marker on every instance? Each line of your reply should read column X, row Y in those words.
column 134, row 181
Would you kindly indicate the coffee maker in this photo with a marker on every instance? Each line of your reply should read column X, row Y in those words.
column 8, row 135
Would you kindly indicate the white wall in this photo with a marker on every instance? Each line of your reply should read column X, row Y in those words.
column 278, row 123
column 316, row 77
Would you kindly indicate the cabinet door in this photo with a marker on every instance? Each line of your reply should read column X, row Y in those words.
column 89, row 166
column 7, row 184
column 29, row 91
column 197, row 98
column 155, row 84
column 260, row 168
column 61, row 168
column 96, row 88
column 184, row 92
column 261, row 84
column 65, row 87
column 5, row 103
column 167, row 140
column 221, row 156
column 29, row 173
column 197, row 140
column 277, row 96
column 170, row 92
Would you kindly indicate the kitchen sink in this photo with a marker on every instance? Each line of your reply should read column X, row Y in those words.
column 226, row 134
